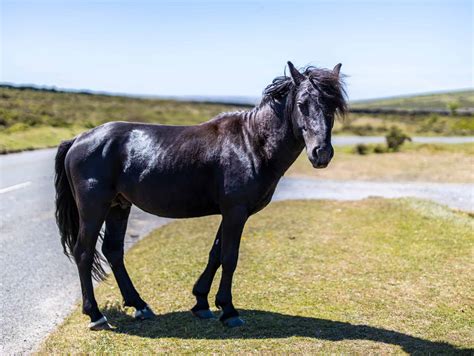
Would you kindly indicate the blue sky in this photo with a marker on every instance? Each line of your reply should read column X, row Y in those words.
column 236, row 48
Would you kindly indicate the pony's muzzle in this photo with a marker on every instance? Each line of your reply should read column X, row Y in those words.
column 321, row 156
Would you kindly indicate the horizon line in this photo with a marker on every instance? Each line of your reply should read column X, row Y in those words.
column 221, row 99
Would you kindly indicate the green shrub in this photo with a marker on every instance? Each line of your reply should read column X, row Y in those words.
column 380, row 149
column 452, row 107
column 362, row 149
column 395, row 138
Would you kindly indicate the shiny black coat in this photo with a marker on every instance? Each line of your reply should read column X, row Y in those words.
column 229, row 165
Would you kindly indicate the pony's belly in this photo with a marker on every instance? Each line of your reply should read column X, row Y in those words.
column 174, row 200
column 178, row 210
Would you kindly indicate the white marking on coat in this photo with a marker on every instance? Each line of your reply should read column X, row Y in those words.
column 142, row 151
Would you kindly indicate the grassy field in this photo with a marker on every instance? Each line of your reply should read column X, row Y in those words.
column 372, row 276
column 378, row 124
column 415, row 162
column 417, row 125
column 32, row 119
column 463, row 99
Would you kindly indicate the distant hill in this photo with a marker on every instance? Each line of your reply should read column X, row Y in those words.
column 439, row 101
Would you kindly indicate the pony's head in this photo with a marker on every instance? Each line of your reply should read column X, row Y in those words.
column 319, row 96
column 313, row 98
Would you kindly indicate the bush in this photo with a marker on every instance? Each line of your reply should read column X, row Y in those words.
column 361, row 149
column 395, row 138
column 452, row 107
column 380, row 149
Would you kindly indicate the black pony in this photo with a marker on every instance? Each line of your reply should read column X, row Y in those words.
column 229, row 165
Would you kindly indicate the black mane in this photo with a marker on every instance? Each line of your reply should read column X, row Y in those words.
column 329, row 84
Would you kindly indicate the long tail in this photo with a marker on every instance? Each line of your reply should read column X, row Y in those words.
column 67, row 216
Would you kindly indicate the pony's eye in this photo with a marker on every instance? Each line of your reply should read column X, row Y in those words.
column 303, row 108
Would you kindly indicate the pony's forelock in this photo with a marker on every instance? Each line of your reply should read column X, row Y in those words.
column 330, row 85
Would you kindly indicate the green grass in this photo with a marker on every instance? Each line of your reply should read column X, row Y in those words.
column 37, row 118
column 464, row 99
column 34, row 138
column 415, row 125
column 379, row 124
column 373, row 276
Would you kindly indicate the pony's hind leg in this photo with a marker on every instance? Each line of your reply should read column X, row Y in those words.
column 113, row 250
column 203, row 284
column 86, row 259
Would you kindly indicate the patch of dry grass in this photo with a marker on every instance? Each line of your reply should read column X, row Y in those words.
column 374, row 276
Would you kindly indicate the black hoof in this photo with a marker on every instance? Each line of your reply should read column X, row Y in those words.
column 233, row 322
column 203, row 314
column 144, row 314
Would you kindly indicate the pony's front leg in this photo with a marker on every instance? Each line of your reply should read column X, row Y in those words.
column 203, row 284
column 233, row 221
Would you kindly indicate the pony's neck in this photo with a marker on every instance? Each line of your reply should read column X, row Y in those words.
column 273, row 132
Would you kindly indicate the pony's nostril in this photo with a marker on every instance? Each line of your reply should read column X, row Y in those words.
column 315, row 151
column 323, row 154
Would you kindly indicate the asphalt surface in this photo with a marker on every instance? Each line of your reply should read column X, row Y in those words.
column 39, row 286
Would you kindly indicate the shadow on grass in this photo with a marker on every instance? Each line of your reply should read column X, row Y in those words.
column 266, row 325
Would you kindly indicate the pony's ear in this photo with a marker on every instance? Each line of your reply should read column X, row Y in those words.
column 337, row 68
column 295, row 74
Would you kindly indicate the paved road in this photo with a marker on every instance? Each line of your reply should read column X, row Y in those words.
column 458, row 196
column 38, row 286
